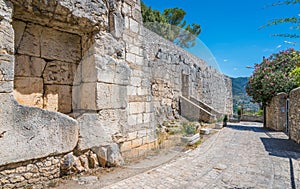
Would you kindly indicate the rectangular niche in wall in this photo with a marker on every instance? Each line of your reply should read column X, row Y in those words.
column 46, row 60
column 185, row 88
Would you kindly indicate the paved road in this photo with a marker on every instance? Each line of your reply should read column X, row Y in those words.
column 239, row 156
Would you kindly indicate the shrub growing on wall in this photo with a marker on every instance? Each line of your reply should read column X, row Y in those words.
column 272, row 76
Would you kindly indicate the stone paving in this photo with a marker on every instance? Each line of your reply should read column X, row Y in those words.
column 239, row 156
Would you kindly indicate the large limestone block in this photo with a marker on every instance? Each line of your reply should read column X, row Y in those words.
column 91, row 12
column 92, row 133
column 108, row 45
column 29, row 91
column 117, row 24
column 26, row 66
column 111, row 96
column 134, row 26
column 113, row 72
column 32, row 133
column 113, row 120
column 89, row 69
column 57, row 45
column 58, row 98
column 19, row 28
column 30, row 43
column 6, row 73
column 136, row 107
column 114, row 157
column 57, row 72
column 7, row 37
column 84, row 96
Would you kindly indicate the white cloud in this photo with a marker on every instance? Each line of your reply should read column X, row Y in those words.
column 268, row 50
column 235, row 69
column 289, row 42
column 278, row 46
column 225, row 60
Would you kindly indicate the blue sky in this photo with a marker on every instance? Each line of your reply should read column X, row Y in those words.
column 230, row 29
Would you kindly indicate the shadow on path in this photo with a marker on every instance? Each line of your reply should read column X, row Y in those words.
column 276, row 144
column 248, row 128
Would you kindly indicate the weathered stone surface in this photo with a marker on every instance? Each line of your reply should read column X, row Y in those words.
column 92, row 133
column 134, row 26
column 70, row 164
column 276, row 113
column 19, row 28
column 84, row 96
column 61, row 73
column 108, row 45
column 77, row 165
column 294, row 117
column 114, row 157
column 113, row 72
column 136, row 107
column 193, row 112
column 29, row 91
column 113, row 120
column 111, row 96
column 88, row 67
column 84, row 161
column 58, row 98
column 67, row 164
column 32, row 132
column 92, row 11
column 30, row 44
column 6, row 40
column 93, row 160
column 6, row 73
column 101, row 153
column 117, row 25
column 6, row 67
column 6, row 10
column 205, row 83
column 26, row 66
column 6, row 86
column 71, row 16
column 57, row 45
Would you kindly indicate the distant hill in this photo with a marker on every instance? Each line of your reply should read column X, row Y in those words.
column 239, row 84
column 240, row 96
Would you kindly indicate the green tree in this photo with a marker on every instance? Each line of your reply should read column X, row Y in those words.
column 296, row 74
column 171, row 25
column 273, row 76
column 294, row 21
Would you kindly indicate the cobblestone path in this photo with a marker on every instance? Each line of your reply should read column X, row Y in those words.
column 239, row 156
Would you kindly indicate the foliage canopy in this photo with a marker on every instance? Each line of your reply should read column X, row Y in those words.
column 293, row 20
column 171, row 25
column 273, row 76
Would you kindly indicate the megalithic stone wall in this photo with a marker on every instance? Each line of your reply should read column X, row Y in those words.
column 294, row 116
column 176, row 72
column 276, row 113
column 28, row 135
column 80, row 88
